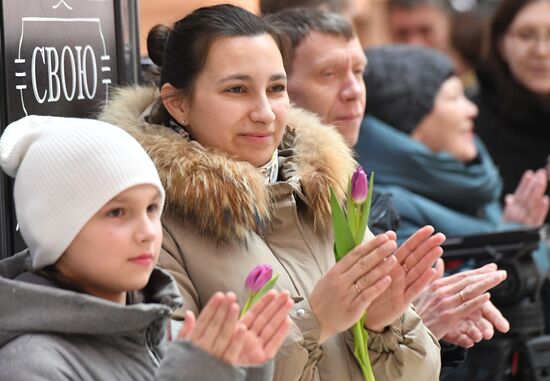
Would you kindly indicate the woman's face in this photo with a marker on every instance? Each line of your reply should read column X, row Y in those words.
column 118, row 247
column 526, row 47
column 239, row 102
column 449, row 126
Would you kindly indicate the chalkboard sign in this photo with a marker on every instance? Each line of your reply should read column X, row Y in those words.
column 58, row 57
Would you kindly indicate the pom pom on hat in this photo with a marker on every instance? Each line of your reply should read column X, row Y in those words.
column 67, row 169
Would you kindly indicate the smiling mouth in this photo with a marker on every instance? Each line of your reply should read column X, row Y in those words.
column 258, row 138
column 258, row 135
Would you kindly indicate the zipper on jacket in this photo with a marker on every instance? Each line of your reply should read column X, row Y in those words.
column 152, row 354
column 150, row 349
column 152, row 331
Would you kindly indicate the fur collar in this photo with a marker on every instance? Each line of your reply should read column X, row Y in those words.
column 223, row 198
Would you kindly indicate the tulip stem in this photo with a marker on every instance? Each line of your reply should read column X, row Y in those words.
column 246, row 306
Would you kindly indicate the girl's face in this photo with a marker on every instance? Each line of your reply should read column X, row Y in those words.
column 526, row 47
column 239, row 102
column 117, row 249
column 449, row 126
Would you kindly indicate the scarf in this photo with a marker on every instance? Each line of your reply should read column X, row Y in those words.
column 431, row 187
column 402, row 161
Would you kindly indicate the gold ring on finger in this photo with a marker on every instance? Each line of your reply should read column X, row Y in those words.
column 405, row 267
column 357, row 290
column 462, row 298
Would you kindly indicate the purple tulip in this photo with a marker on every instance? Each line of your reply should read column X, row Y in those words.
column 359, row 186
column 258, row 277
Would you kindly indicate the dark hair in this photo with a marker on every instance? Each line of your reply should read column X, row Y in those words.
column 274, row 6
column 493, row 61
column 183, row 51
column 295, row 24
column 156, row 40
column 466, row 36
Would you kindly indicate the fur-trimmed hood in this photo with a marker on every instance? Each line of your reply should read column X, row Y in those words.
column 226, row 199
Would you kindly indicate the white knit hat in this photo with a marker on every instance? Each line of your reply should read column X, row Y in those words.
column 65, row 170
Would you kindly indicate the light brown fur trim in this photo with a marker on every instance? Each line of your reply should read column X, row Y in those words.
column 223, row 198
column 325, row 161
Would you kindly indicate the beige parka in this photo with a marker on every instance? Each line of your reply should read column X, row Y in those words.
column 220, row 220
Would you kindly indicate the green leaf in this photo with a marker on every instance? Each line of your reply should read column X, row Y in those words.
column 365, row 212
column 268, row 286
column 343, row 240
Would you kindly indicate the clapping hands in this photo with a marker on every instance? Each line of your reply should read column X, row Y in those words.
column 410, row 274
column 250, row 341
column 528, row 205
column 457, row 308
column 341, row 296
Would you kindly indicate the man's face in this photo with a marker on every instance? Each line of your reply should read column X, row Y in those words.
column 423, row 25
column 327, row 78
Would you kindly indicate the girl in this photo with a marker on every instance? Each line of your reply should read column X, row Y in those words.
column 85, row 301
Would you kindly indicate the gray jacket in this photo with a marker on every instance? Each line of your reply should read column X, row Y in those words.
column 48, row 333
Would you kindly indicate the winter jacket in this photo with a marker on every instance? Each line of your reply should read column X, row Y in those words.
column 49, row 333
column 221, row 220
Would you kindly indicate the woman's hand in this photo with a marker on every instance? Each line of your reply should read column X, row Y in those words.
column 528, row 205
column 410, row 275
column 458, row 297
column 342, row 295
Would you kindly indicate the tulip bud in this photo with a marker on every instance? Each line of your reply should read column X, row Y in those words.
column 359, row 186
column 258, row 277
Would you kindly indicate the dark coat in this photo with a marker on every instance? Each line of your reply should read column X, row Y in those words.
column 515, row 129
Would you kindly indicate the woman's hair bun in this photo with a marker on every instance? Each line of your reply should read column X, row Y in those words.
column 156, row 41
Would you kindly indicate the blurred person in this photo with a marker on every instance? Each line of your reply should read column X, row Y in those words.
column 85, row 301
column 420, row 22
column 419, row 138
column 435, row 24
column 514, row 98
column 248, row 181
column 325, row 65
